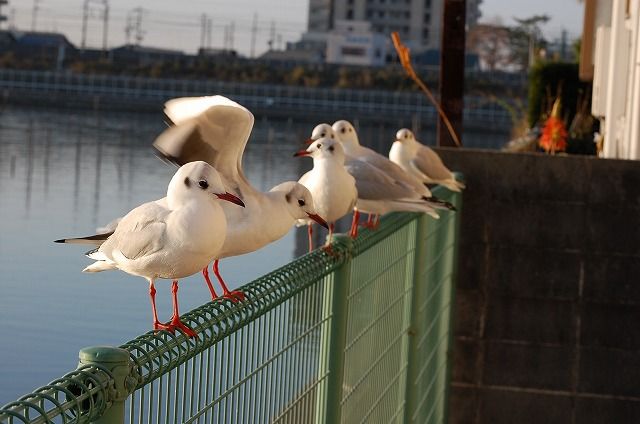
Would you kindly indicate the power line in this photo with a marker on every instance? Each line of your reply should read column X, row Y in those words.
column 244, row 31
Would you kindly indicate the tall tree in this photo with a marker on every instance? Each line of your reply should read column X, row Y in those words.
column 491, row 43
column 527, row 40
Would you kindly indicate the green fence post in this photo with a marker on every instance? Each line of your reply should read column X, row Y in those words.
column 417, row 294
column 455, row 235
column 333, row 341
column 117, row 361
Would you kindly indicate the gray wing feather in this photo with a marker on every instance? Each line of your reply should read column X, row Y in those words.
column 141, row 232
column 374, row 184
column 430, row 164
column 395, row 171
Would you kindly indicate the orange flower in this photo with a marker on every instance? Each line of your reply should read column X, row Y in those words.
column 554, row 136
column 554, row 133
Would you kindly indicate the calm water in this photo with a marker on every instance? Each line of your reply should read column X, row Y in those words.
column 63, row 173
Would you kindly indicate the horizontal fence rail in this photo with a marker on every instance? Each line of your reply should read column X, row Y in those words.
column 258, row 97
column 361, row 336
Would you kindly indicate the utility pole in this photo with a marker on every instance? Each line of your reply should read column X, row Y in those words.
column 105, row 25
column 128, row 27
column 136, row 16
column 254, row 31
column 85, row 22
column 85, row 17
column 452, row 70
column 209, row 29
column 272, row 36
column 203, row 29
column 34, row 14
column 225, row 40
column 231, row 34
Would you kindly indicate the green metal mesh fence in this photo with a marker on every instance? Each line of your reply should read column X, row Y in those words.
column 359, row 337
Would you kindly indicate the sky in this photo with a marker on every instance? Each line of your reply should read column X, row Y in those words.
column 177, row 24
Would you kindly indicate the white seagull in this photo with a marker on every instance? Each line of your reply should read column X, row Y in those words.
column 378, row 193
column 216, row 130
column 349, row 138
column 171, row 238
column 421, row 161
column 333, row 188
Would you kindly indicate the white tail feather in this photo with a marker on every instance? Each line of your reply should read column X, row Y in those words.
column 99, row 266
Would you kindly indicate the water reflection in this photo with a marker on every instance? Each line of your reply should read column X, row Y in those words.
column 64, row 173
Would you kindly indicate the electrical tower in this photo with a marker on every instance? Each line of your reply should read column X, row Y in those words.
column 134, row 26
column 86, row 12
column 34, row 14
column 205, row 31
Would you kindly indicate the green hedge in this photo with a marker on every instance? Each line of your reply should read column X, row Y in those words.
column 545, row 79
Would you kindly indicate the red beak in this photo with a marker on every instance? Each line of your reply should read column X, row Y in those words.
column 309, row 141
column 301, row 153
column 319, row 220
column 230, row 198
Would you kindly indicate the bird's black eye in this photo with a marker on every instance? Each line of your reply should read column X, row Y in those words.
column 301, row 202
column 343, row 130
column 203, row 184
column 322, row 135
column 331, row 148
column 318, row 145
column 350, row 130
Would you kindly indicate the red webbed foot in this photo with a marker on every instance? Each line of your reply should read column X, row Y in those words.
column 235, row 296
column 172, row 325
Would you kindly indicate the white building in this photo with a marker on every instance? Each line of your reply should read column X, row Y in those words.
column 353, row 43
column 417, row 21
column 611, row 56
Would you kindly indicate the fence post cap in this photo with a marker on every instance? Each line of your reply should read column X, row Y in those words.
column 103, row 354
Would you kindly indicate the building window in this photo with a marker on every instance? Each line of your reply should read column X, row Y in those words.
column 353, row 51
column 425, row 35
column 350, row 14
column 381, row 13
column 427, row 4
column 427, row 17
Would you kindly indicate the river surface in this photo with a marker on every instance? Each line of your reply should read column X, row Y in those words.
column 64, row 173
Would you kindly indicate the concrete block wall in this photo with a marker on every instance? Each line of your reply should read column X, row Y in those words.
column 548, row 300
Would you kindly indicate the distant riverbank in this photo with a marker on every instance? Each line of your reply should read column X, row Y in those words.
column 126, row 93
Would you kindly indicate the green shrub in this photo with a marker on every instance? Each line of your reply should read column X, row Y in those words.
column 546, row 79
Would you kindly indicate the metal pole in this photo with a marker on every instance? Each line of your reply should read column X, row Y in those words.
column 85, row 16
column 105, row 26
column 333, row 341
column 117, row 361
column 452, row 69
column 454, row 236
